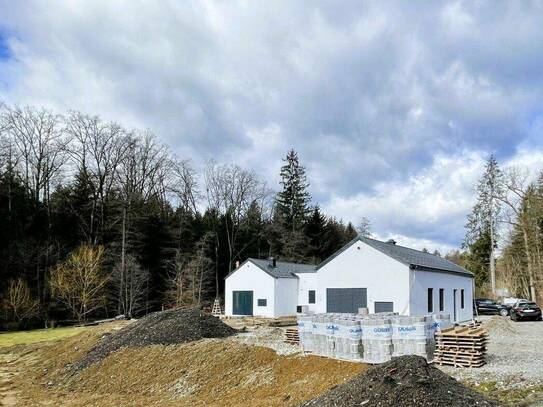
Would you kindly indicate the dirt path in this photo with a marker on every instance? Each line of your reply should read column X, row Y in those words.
column 8, row 392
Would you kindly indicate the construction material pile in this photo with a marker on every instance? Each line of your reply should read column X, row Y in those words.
column 406, row 381
column 160, row 328
column 374, row 338
column 461, row 347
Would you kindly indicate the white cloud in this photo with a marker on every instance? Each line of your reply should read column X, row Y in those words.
column 391, row 105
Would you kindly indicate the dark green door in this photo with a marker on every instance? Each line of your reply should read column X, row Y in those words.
column 243, row 303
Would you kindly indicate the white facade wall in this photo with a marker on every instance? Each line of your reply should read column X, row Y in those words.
column 362, row 266
column 286, row 296
column 422, row 280
column 250, row 277
column 306, row 282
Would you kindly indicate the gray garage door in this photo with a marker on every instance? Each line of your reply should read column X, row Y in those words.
column 381, row 306
column 345, row 299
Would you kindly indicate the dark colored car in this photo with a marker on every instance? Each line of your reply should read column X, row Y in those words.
column 526, row 310
column 486, row 306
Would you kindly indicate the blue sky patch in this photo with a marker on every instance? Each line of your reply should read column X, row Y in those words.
column 4, row 47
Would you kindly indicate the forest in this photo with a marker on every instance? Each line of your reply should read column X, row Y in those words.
column 99, row 220
column 504, row 233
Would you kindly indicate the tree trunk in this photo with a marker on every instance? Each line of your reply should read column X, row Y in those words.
column 123, row 251
column 531, row 279
column 492, row 260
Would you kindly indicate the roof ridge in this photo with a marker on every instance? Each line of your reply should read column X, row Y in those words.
column 399, row 245
column 284, row 262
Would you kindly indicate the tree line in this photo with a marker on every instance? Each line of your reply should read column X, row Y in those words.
column 504, row 233
column 99, row 220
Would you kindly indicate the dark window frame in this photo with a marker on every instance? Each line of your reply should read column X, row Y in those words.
column 462, row 298
column 430, row 300
column 441, row 299
column 311, row 293
column 262, row 302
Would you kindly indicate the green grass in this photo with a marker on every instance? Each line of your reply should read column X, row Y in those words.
column 37, row 335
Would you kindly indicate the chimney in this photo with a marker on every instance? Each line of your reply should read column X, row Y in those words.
column 391, row 241
column 272, row 262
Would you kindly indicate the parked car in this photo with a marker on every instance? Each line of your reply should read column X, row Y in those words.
column 491, row 307
column 526, row 310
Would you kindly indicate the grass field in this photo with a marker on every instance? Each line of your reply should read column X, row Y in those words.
column 37, row 335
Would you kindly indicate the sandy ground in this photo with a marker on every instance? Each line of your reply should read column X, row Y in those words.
column 254, row 368
column 210, row 372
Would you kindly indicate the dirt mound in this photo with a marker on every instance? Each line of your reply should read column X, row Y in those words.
column 405, row 381
column 160, row 328
column 500, row 325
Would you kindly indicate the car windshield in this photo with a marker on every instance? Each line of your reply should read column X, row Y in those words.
column 487, row 302
column 527, row 305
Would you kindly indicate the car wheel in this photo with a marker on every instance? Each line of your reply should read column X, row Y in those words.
column 504, row 312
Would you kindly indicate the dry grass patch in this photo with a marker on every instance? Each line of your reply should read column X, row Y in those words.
column 210, row 372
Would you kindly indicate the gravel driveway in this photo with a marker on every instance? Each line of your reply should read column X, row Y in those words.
column 514, row 355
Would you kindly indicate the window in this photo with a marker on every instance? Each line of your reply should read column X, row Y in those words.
column 462, row 298
column 441, row 293
column 262, row 302
column 311, row 296
column 430, row 300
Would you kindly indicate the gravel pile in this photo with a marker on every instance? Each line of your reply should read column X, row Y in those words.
column 499, row 325
column 269, row 337
column 404, row 381
column 160, row 328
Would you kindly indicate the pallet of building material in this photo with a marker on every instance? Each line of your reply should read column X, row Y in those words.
column 292, row 336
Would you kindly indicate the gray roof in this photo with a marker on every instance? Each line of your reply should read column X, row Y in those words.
column 410, row 257
column 283, row 269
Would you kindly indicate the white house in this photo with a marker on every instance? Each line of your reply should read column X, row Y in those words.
column 381, row 276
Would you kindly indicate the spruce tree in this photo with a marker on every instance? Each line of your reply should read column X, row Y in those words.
column 314, row 230
column 483, row 219
column 292, row 203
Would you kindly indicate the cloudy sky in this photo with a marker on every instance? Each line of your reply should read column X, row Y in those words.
column 392, row 106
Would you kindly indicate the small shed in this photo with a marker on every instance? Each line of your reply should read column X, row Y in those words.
column 266, row 288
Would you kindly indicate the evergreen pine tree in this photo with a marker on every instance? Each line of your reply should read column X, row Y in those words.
column 483, row 218
column 314, row 230
column 292, row 203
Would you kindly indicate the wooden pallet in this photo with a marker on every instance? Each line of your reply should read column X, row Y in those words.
column 458, row 363
column 461, row 347
column 292, row 336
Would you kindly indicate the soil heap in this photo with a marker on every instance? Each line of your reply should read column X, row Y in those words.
column 160, row 328
column 405, row 381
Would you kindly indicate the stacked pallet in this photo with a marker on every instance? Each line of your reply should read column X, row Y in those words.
column 292, row 336
column 461, row 347
column 474, row 323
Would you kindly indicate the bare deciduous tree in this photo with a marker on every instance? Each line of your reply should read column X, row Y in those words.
column 18, row 301
column 96, row 149
column 80, row 281
column 521, row 203
column 231, row 190
column 132, row 287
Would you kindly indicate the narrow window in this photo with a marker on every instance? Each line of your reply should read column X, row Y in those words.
column 462, row 298
column 430, row 300
column 441, row 292
column 311, row 297
column 262, row 302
